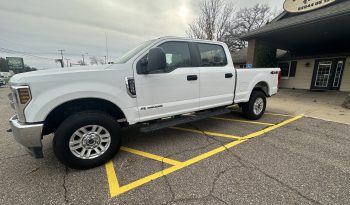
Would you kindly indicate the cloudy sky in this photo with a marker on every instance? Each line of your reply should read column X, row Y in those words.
column 38, row 29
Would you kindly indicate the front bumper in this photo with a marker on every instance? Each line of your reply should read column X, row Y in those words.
column 28, row 135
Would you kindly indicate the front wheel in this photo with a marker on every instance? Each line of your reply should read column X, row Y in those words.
column 86, row 139
column 256, row 106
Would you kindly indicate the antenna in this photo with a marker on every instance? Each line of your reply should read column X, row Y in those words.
column 106, row 48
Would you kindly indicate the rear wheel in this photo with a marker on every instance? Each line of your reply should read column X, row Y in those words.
column 86, row 139
column 256, row 106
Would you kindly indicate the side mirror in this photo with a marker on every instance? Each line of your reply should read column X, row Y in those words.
column 156, row 60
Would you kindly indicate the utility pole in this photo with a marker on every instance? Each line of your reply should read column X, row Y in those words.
column 105, row 59
column 62, row 64
column 83, row 57
column 67, row 59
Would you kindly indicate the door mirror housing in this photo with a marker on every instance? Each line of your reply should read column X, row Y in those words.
column 156, row 60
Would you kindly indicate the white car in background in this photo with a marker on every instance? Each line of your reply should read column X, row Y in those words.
column 2, row 81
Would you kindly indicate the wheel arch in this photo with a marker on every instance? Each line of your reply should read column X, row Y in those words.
column 57, row 115
column 264, row 87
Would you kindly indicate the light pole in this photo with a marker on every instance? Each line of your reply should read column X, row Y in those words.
column 67, row 59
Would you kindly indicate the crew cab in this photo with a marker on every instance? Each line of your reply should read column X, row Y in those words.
column 157, row 84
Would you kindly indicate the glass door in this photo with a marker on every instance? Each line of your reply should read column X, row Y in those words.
column 327, row 74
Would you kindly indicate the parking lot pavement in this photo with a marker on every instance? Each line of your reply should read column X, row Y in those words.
column 279, row 159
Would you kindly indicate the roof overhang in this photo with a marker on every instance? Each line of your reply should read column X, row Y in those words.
column 323, row 29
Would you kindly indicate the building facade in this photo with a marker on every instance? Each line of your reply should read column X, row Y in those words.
column 309, row 41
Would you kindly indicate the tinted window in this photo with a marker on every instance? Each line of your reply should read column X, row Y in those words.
column 212, row 55
column 177, row 54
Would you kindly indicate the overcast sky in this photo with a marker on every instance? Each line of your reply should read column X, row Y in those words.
column 40, row 28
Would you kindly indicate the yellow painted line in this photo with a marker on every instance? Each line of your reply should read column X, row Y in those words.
column 255, row 134
column 116, row 190
column 244, row 121
column 150, row 156
column 277, row 114
column 112, row 179
column 207, row 133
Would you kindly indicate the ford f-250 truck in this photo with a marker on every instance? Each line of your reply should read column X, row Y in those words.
column 155, row 84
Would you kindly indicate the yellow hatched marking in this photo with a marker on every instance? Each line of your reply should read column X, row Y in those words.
column 207, row 133
column 244, row 121
column 150, row 156
column 116, row 190
column 119, row 190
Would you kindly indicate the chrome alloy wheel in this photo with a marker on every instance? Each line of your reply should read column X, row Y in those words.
column 89, row 142
column 258, row 106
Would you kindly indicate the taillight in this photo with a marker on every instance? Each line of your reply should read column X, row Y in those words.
column 279, row 80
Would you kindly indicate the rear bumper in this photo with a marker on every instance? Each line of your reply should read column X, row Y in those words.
column 28, row 135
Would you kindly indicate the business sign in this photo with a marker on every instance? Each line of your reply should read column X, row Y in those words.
column 15, row 63
column 298, row 6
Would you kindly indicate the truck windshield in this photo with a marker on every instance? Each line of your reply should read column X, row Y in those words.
column 124, row 58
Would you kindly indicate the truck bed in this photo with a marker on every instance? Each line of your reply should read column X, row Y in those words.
column 246, row 79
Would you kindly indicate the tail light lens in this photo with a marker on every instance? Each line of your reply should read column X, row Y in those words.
column 279, row 80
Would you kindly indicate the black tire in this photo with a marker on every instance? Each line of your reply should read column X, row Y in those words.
column 248, row 108
column 73, row 123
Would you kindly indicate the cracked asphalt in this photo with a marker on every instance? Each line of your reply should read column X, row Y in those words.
column 304, row 162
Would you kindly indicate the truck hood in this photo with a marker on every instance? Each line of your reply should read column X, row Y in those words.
column 26, row 78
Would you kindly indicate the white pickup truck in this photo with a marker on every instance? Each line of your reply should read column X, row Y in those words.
column 155, row 84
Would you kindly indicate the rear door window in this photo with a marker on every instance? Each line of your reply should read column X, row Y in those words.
column 212, row 55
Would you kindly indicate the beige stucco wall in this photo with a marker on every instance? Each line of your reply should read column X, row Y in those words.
column 345, row 83
column 303, row 76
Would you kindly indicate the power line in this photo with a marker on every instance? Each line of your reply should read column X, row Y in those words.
column 6, row 50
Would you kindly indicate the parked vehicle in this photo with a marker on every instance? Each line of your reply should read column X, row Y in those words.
column 154, row 84
column 2, row 82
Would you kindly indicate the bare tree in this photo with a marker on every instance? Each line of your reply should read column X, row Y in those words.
column 93, row 60
column 101, row 61
column 80, row 62
column 249, row 19
column 218, row 20
column 214, row 21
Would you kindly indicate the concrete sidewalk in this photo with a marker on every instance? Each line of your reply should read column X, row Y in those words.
column 321, row 105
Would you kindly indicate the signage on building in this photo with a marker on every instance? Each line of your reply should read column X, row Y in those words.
column 15, row 63
column 298, row 6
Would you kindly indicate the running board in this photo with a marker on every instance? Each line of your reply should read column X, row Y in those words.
column 182, row 119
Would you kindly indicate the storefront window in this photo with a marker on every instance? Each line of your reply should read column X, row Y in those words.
column 288, row 69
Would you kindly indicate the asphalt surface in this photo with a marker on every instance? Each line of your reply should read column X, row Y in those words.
column 306, row 161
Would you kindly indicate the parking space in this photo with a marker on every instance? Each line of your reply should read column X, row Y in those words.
column 183, row 146
column 279, row 159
